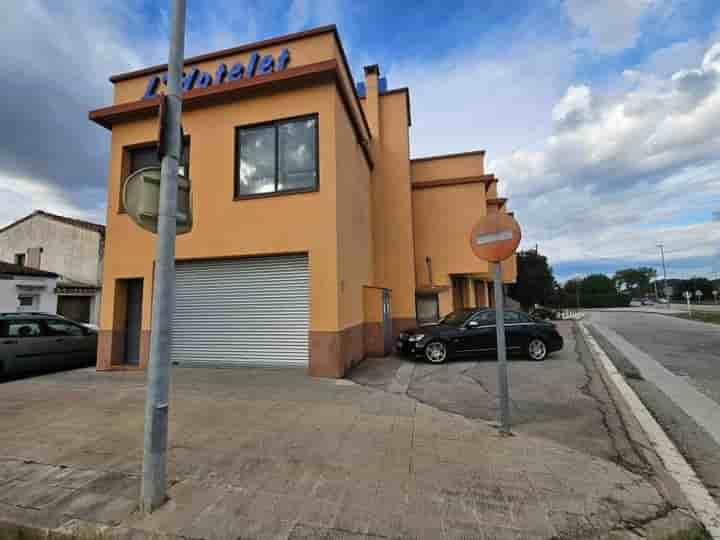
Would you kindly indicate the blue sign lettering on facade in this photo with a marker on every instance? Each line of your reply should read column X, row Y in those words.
column 196, row 79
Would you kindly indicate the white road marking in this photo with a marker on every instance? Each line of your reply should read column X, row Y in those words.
column 702, row 503
column 685, row 395
column 493, row 237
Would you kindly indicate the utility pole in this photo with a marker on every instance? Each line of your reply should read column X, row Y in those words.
column 662, row 256
column 154, row 473
column 504, row 388
column 577, row 292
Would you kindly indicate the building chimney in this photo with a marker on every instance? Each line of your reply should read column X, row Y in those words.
column 372, row 95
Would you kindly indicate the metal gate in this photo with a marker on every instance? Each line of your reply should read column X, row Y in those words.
column 242, row 312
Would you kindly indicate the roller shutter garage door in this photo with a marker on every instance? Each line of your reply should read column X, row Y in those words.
column 242, row 312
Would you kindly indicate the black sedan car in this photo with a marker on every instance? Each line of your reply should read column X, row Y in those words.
column 471, row 332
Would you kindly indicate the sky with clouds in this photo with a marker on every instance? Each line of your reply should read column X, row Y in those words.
column 601, row 117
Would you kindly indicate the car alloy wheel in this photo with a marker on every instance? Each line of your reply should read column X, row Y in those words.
column 436, row 352
column 537, row 349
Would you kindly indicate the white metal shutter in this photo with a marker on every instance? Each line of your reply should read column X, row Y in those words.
column 242, row 312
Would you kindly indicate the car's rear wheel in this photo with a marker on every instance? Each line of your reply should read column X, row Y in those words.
column 536, row 349
column 436, row 352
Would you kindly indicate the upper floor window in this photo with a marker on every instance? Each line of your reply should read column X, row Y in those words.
column 143, row 155
column 277, row 157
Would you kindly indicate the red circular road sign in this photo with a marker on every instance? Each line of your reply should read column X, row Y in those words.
column 495, row 237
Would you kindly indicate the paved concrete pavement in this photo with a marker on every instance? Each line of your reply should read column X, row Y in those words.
column 559, row 399
column 673, row 365
column 276, row 454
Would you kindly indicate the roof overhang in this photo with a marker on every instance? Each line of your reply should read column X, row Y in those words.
column 288, row 79
column 485, row 179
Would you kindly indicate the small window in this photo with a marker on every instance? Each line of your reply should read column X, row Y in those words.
column 277, row 157
column 26, row 301
column 20, row 259
column 427, row 308
column 512, row 317
column 63, row 328
column 145, row 155
column 22, row 329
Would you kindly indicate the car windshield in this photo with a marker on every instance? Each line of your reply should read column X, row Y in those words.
column 456, row 318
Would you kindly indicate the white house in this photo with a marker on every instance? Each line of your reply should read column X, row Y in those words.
column 71, row 248
column 27, row 289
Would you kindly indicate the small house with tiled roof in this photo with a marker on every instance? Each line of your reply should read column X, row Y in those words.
column 68, row 247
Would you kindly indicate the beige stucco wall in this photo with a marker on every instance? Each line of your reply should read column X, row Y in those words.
column 451, row 166
column 73, row 252
column 222, row 226
column 393, row 245
column 443, row 218
column 306, row 51
column 354, row 221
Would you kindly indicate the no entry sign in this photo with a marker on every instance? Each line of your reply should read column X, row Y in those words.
column 495, row 237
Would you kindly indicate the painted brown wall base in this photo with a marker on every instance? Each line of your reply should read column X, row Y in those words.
column 374, row 339
column 402, row 324
column 352, row 345
column 111, row 349
column 333, row 353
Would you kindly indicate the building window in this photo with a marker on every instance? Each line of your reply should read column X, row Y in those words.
column 26, row 301
column 143, row 155
column 277, row 157
column 427, row 308
column 20, row 259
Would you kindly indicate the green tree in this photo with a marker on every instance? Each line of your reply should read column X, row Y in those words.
column 695, row 284
column 635, row 281
column 535, row 280
column 598, row 290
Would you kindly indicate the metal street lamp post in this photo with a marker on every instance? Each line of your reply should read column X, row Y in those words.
column 662, row 256
column 154, row 472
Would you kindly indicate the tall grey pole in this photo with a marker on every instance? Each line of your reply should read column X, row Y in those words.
column 662, row 256
column 154, row 474
column 501, row 352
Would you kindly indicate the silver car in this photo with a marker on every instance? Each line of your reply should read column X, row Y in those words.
column 34, row 342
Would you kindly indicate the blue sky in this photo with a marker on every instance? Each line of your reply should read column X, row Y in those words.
column 599, row 116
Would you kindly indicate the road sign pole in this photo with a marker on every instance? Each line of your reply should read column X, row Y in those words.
column 501, row 352
column 154, row 473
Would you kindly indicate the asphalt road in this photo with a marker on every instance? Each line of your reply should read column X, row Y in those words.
column 701, row 307
column 685, row 398
column 689, row 349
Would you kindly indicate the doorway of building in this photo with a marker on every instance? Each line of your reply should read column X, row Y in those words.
column 133, row 320
column 427, row 308
column 387, row 322
column 76, row 308
column 458, row 285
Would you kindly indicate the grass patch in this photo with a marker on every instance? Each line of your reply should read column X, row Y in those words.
column 704, row 316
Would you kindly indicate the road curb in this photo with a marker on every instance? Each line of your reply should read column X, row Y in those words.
column 671, row 465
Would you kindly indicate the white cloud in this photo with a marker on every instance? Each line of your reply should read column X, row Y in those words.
column 485, row 98
column 621, row 172
column 612, row 25
column 21, row 196
column 304, row 13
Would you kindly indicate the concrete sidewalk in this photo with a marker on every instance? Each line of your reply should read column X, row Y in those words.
column 276, row 454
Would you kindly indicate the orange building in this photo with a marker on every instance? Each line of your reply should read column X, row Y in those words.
column 316, row 239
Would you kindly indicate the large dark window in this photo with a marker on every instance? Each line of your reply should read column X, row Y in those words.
column 277, row 157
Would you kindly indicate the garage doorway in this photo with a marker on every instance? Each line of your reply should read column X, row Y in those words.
column 252, row 311
column 133, row 320
column 76, row 308
column 427, row 308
